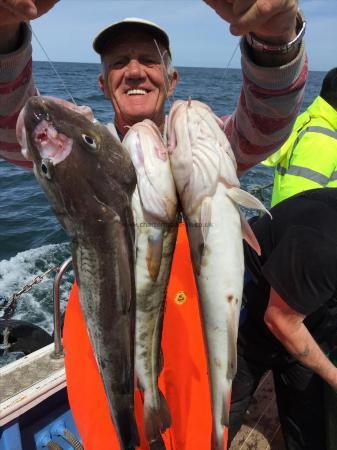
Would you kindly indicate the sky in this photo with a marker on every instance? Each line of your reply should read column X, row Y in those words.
column 199, row 38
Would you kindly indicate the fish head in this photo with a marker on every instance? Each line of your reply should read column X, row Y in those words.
column 80, row 165
column 200, row 153
column 149, row 155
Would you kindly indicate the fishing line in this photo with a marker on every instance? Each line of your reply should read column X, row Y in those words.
column 226, row 71
column 166, row 85
column 54, row 68
column 165, row 72
column 257, row 423
column 233, row 54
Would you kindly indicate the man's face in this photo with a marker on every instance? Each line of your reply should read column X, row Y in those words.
column 135, row 79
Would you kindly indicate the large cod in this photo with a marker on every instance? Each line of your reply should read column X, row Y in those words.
column 89, row 180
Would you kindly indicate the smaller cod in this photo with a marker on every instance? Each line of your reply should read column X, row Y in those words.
column 204, row 170
column 154, row 205
column 89, row 179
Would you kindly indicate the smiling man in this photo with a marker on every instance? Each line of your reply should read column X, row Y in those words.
column 137, row 73
column 138, row 78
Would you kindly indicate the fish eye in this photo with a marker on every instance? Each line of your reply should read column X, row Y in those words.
column 89, row 141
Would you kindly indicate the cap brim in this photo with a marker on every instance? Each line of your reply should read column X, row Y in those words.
column 112, row 31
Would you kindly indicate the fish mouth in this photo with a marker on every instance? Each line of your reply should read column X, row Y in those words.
column 50, row 143
column 37, row 135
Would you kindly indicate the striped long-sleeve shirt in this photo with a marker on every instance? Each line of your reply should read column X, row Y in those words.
column 16, row 86
column 269, row 102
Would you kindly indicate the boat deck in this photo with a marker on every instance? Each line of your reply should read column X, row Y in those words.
column 261, row 429
column 28, row 381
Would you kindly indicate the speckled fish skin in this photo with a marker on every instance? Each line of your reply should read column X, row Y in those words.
column 89, row 179
column 155, row 208
column 204, row 169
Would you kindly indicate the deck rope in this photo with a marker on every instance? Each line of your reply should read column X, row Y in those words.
column 73, row 441
column 53, row 446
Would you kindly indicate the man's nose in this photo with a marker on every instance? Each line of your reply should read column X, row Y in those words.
column 134, row 69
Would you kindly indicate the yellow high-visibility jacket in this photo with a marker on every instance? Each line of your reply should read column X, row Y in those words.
column 308, row 159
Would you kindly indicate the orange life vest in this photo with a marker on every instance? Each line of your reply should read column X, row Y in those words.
column 183, row 379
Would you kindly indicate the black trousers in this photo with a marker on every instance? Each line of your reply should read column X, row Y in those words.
column 299, row 394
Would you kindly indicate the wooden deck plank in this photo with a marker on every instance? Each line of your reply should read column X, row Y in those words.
column 26, row 372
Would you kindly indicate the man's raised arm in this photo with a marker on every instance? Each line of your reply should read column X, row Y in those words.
column 275, row 70
column 16, row 82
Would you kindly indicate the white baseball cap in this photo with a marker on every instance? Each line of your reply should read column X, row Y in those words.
column 128, row 24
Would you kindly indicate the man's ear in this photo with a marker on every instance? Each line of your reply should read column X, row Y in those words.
column 173, row 80
column 102, row 85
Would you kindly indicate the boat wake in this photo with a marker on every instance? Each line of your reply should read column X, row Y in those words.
column 35, row 306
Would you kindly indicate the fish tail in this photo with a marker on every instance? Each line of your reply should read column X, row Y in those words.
column 164, row 413
column 126, row 427
column 156, row 421
column 157, row 445
column 218, row 432
column 217, row 440
column 226, row 405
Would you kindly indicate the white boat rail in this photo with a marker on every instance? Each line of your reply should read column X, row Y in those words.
column 58, row 348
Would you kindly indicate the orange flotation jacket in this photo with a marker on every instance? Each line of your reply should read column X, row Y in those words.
column 183, row 379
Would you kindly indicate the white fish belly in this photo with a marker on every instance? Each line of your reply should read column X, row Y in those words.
column 220, row 285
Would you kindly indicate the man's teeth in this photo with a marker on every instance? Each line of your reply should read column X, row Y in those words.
column 136, row 92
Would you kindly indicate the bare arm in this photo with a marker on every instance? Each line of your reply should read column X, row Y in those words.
column 287, row 326
column 273, row 84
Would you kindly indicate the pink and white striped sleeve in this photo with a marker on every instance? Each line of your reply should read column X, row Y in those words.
column 269, row 103
column 16, row 86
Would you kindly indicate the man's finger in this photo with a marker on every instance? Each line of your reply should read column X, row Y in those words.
column 241, row 6
column 251, row 19
column 265, row 20
column 22, row 8
column 223, row 8
column 44, row 6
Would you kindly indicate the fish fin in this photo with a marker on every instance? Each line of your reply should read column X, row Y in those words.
column 154, row 253
column 198, row 232
column 246, row 199
column 156, row 421
column 164, row 413
column 123, row 272
column 197, row 246
column 160, row 360
column 248, row 234
column 205, row 217
column 232, row 327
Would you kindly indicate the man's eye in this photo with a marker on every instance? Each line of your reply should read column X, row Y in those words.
column 119, row 63
column 149, row 61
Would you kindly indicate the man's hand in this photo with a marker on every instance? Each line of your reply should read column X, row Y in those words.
column 12, row 12
column 273, row 21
